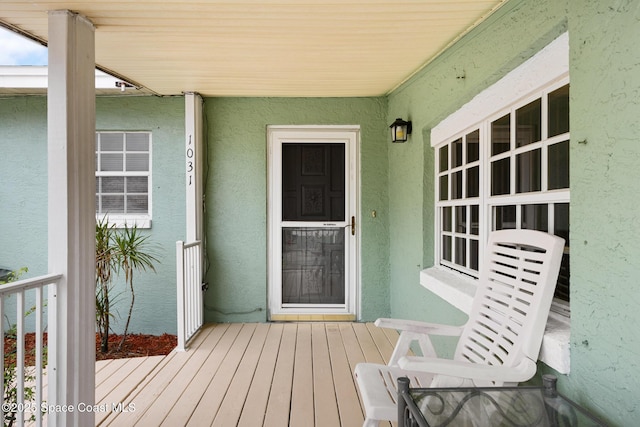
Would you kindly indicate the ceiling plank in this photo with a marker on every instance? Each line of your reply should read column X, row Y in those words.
column 264, row 47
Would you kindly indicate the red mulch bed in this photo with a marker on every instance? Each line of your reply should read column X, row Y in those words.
column 136, row 345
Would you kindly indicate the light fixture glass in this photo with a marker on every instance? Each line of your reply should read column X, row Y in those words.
column 400, row 130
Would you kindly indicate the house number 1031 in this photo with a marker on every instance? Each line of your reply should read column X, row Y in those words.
column 190, row 154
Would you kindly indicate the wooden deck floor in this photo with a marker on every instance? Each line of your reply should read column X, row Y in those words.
column 265, row 374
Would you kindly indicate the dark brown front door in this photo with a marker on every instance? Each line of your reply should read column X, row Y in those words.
column 313, row 190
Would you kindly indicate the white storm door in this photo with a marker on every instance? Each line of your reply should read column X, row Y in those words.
column 313, row 225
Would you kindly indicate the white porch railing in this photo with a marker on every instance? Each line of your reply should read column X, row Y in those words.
column 190, row 292
column 23, row 407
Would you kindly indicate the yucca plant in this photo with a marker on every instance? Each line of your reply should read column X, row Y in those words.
column 105, row 268
column 118, row 250
column 133, row 251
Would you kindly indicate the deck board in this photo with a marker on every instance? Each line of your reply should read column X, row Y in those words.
column 167, row 399
column 279, row 403
column 302, row 413
column 258, row 396
column 385, row 347
column 211, row 400
column 231, row 408
column 351, row 346
column 368, row 345
column 118, row 386
column 144, row 396
column 324, row 391
column 267, row 374
column 346, row 391
column 212, row 351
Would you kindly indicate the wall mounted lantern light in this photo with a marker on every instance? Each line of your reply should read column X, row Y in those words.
column 400, row 130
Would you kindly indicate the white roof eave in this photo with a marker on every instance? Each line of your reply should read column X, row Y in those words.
column 36, row 77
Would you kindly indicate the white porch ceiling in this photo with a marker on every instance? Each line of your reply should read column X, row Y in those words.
column 289, row 48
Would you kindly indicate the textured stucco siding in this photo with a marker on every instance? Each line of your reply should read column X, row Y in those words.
column 236, row 197
column 23, row 196
column 396, row 182
column 605, row 223
column 155, row 304
column 23, row 184
column 509, row 37
column 605, row 151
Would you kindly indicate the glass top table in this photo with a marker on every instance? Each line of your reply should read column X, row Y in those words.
column 495, row 406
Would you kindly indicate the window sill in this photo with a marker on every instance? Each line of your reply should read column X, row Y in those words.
column 458, row 290
column 120, row 221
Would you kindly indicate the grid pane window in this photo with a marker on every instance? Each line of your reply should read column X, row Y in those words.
column 558, row 166
column 123, row 173
column 501, row 135
column 501, row 177
column 473, row 146
column 459, row 189
column 558, row 111
column 528, row 171
column 512, row 172
column 504, row 217
column 473, row 181
column 528, row 123
column 456, row 153
column 535, row 217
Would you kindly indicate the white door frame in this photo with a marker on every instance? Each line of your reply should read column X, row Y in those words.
column 276, row 136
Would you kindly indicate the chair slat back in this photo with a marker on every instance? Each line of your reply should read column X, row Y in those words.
column 512, row 302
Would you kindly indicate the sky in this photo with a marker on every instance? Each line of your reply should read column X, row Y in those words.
column 18, row 50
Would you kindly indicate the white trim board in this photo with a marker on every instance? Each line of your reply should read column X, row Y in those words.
column 37, row 77
column 551, row 63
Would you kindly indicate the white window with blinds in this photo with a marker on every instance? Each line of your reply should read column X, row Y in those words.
column 123, row 178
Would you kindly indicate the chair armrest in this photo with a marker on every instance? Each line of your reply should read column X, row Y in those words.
column 420, row 327
column 520, row 373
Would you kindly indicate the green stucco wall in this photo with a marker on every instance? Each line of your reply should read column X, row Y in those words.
column 605, row 154
column 23, row 196
column 455, row 77
column 23, row 184
column 155, row 304
column 236, row 197
column 605, row 151
column 396, row 182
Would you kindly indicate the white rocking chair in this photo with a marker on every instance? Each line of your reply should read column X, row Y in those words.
column 499, row 344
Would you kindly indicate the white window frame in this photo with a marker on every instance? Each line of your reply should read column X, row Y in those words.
column 548, row 69
column 120, row 220
column 485, row 200
column 463, row 201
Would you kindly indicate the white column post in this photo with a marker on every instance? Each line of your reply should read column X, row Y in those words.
column 71, row 163
column 193, row 149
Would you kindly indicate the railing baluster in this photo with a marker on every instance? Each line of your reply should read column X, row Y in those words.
column 52, row 342
column 3, row 356
column 180, row 294
column 26, row 407
column 198, row 285
column 39, row 353
column 20, row 357
column 189, row 290
column 189, row 282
